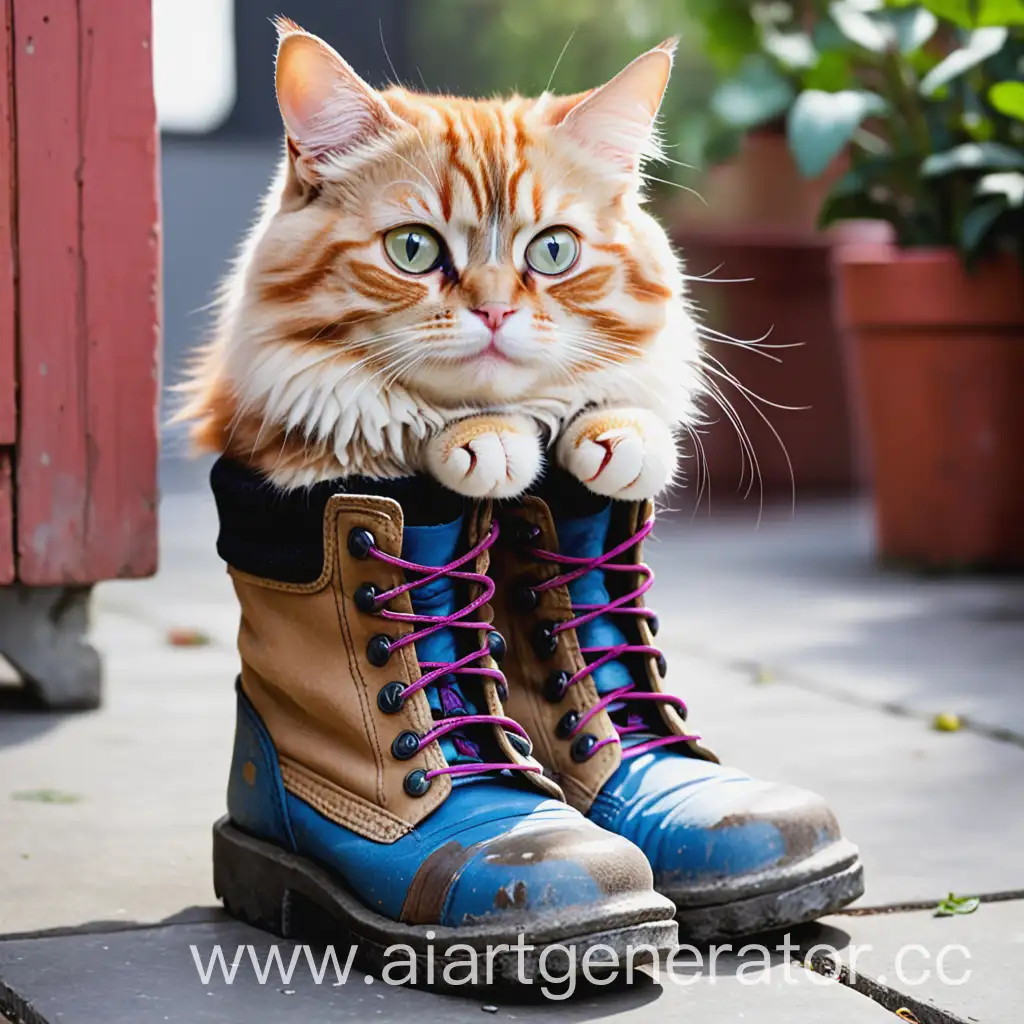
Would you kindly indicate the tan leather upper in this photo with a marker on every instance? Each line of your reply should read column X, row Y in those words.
column 512, row 567
column 305, row 670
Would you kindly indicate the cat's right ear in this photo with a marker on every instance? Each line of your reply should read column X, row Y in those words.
column 327, row 108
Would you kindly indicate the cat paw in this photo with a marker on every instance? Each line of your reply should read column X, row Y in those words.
column 629, row 454
column 486, row 456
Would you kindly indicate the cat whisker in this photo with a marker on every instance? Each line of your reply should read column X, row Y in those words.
column 554, row 70
column 674, row 184
column 720, row 370
column 703, row 470
column 747, row 453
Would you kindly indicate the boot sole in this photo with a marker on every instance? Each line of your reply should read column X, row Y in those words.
column 293, row 897
column 820, row 886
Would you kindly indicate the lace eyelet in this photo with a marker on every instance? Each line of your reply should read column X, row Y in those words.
column 524, row 597
column 583, row 747
column 405, row 745
column 496, row 645
column 416, row 782
column 365, row 599
column 662, row 666
column 524, row 533
column 555, row 686
column 653, row 624
column 360, row 542
column 567, row 724
column 378, row 650
column 390, row 698
column 502, row 689
column 545, row 640
column 522, row 745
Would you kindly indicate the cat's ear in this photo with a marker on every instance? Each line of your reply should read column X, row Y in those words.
column 616, row 121
column 326, row 106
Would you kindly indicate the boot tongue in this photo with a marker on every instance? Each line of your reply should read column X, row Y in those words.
column 587, row 537
column 436, row 546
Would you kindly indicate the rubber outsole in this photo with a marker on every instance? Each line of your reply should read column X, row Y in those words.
column 293, row 897
column 776, row 900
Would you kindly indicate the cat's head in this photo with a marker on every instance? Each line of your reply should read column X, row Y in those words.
column 472, row 251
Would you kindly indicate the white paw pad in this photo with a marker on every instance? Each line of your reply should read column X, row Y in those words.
column 628, row 456
column 483, row 460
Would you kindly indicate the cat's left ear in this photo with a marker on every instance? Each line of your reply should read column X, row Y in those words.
column 326, row 107
column 616, row 121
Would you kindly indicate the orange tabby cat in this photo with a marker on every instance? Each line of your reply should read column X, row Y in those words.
column 451, row 285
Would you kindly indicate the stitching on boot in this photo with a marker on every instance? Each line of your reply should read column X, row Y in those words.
column 344, row 808
column 355, row 667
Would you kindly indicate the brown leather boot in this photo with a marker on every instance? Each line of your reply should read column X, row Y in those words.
column 376, row 776
column 735, row 855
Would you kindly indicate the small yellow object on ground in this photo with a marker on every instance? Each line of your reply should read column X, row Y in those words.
column 946, row 721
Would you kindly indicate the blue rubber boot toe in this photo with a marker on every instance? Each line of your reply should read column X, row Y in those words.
column 734, row 853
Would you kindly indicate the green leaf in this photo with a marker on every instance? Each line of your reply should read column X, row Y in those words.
column 756, row 95
column 1008, row 184
column 957, row 905
column 977, row 126
column 913, row 27
column 973, row 156
column 832, row 73
column 791, row 49
column 977, row 13
column 46, row 796
column 854, row 20
column 973, row 232
column 1001, row 12
column 822, row 123
column 982, row 44
column 1008, row 98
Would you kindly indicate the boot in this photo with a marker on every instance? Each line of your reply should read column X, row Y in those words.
column 735, row 855
column 376, row 777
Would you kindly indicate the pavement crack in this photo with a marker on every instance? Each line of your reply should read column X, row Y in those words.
column 888, row 998
column 913, row 905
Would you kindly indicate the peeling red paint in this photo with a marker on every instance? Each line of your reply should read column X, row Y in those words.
column 88, row 291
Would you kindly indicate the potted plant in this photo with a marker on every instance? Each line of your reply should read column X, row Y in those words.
column 934, row 127
column 756, row 226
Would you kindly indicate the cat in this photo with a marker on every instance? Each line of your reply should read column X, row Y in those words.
column 453, row 286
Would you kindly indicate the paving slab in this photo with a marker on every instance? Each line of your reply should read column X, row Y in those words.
column 150, row 977
column 106, row 816
column 967, row 966
column 932, row 812
column 805, row 594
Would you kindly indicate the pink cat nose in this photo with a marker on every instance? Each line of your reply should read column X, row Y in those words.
column 494, row 314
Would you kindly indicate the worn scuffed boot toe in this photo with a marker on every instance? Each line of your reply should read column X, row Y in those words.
column 377, row 783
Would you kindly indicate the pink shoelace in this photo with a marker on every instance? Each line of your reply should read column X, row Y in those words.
column 434, row 671
column 598, row 656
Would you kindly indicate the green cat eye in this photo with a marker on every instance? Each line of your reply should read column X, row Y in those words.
column 553, row 251
column 413, row 248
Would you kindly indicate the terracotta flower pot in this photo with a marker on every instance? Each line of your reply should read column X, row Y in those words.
column 939, row 358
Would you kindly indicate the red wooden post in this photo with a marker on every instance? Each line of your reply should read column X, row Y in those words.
column 6, row 521
column 88, row 291
column 8, row 419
